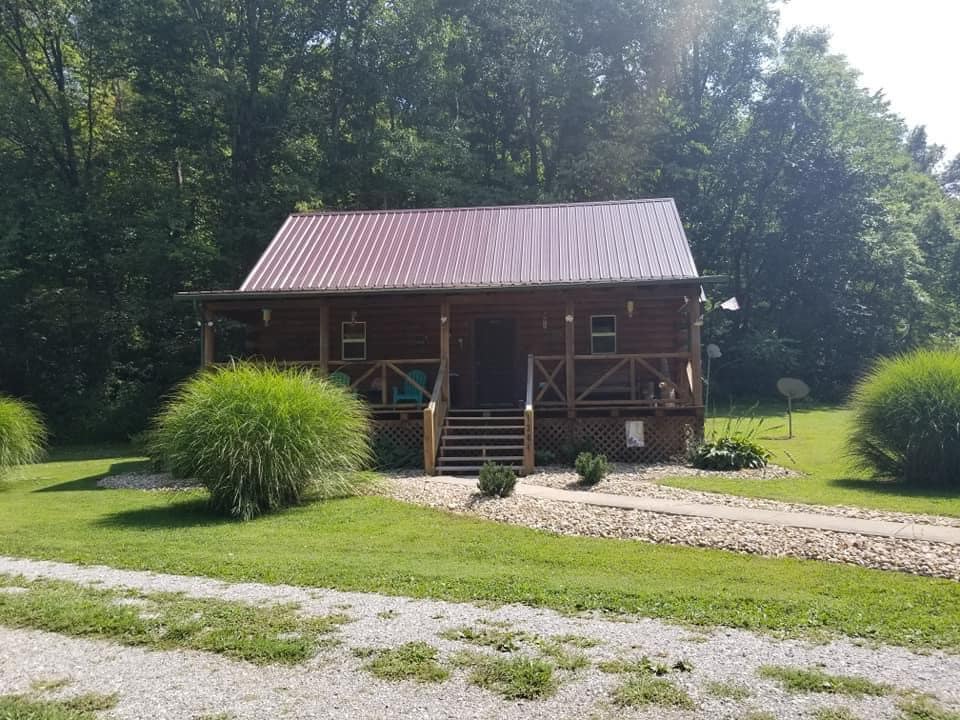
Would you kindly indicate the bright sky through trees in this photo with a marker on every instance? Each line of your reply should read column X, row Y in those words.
column 907, row 49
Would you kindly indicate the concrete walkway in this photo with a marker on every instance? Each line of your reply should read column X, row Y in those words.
column 812, row 520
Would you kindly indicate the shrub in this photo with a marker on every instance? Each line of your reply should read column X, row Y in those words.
column 906, row 419
column 729, row 453
column 261, row 439
column 496, row 480
column 22, row 434
column 591, row 468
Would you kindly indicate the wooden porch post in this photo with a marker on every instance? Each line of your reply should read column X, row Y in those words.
column 445, row 347
column 693, row 314
column 207, row 338
column 569, row 351
column 324, row 358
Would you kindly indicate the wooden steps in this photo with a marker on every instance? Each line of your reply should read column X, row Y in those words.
column 472, row 437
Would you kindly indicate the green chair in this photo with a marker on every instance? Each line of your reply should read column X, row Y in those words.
column 410, row 392
column 339, row 378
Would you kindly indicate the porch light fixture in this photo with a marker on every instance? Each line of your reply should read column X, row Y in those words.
column 630, row 307
column 443, row 319
column 569, row 318
column 353, row 316
column 267, row 314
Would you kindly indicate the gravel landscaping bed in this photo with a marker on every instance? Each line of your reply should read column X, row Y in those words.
column 146, row 481
column 567, row 518
column 189, row 684
column 642, row 481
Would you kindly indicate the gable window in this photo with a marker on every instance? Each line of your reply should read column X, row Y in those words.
column 353, row 340
column 603, row 334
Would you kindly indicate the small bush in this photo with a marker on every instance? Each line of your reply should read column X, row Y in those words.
column 22, row 434
column 729, row 453
column 906, row 419
column 496, row 480
column 261, row 439
column 591, row 468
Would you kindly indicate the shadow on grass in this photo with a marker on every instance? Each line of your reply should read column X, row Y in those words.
column 74, row 453
column 891, row 487
column 90, row 482
column 193, row 512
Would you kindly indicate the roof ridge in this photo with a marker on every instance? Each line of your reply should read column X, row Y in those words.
column 512, row 206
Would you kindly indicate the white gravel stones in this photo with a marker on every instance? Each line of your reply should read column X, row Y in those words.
column 567, row 518
column 146, row 481
column 191, row 684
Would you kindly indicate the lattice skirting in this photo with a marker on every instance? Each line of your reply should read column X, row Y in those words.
column 405, row 433
column 665, row 437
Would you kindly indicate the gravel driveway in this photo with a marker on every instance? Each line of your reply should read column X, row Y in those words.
column 332, row 685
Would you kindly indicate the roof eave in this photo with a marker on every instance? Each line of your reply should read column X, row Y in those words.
column 210, row 295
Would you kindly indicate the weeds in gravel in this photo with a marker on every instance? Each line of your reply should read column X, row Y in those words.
column 50, row 685
column 412, row 661
column 387, row 614
column 561, row 656
column 577, row 641
column 274, row 634
column 82, row 707
column 923, row 707
column 497, row 638
column 640, row 666
column 728, row 691
column 758, row 715
column 834, row 713
column 641, row 690
column 513, row 678
column 815, row 680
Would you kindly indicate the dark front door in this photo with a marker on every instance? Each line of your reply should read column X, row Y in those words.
column 494, row 361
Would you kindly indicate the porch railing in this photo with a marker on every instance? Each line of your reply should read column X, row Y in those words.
column 643, row 379
column 375, row 380
column 434, row 416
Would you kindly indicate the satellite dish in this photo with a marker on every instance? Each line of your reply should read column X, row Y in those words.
column 713, row 351
column 792, row 389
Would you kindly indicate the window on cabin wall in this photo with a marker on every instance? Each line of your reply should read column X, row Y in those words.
column 603, row 334
column 353, row 340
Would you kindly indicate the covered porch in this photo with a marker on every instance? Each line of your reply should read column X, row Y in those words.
column 562, row 364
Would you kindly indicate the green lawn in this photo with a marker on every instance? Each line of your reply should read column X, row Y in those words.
column 54, row 511
column 818, row 449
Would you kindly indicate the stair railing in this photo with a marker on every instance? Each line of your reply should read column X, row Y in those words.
column 528, row 444
column 434, row 415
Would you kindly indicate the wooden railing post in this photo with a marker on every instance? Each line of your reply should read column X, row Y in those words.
column 429, row 444
column 529, row 451
column 569, row 352
column 207, row 339
column 693, row 313
column 434, row 415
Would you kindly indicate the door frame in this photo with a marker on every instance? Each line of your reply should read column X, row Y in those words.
column 485, row 317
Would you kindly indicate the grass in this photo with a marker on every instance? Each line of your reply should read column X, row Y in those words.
column 82, row 707
column 412, row 661
column 642, row 666
column 54, row 511
column 499, row 639
column 728, row 691
column 511, row 677
column 642, row 690
column 922, row 707
column 163, row 621
column 815, row 680
column 834, row 713
column 819, row 450
column 560, row 655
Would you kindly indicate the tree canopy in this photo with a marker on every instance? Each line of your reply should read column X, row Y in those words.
column 147, row 148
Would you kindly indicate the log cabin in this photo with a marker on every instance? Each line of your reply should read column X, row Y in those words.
column 508, row 334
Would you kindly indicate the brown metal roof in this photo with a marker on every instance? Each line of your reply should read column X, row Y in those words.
column 471, row 248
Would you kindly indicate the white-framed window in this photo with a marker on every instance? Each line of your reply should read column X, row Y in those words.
column 353, row 340
column 603, row 334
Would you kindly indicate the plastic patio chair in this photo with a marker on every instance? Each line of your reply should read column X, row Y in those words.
column 410, row 392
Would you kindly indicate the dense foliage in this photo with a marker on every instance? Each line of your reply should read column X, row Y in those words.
column 906, row 422
column 152, row 147
column 22, row 434
column 591, row 468
column 261, row 439
column 729, row 452
column 496, row 480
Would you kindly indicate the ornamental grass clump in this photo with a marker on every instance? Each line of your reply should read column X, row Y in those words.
column 906, row 419
column 22, row 434
column 261, row 439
